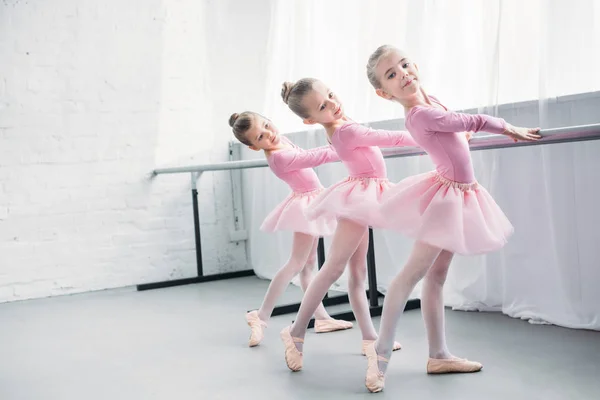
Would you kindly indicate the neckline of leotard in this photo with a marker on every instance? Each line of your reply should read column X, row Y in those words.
column 339, row 128
column 288, row 141
column 434, row 99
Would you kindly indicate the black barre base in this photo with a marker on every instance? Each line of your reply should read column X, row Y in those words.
column 292, row 308
column 196, row 279
column 375, row 311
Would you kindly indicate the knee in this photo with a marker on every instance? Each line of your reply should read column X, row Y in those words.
column 308, row 270
column 311, row 262
column 309, row 266
column 438, row 273
column 335, row 267
column 418, row 275
column 413, row 273
column 437, row 276
column 294, row 267
column 358, row 272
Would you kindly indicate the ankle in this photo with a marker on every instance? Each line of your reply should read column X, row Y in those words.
column 297, row 333
column 262, row 316
column 440, row 355
column 382, row 351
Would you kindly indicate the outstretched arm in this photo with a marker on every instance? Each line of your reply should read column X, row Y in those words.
column 361, row 136
column 436, row 120
column 298, row 159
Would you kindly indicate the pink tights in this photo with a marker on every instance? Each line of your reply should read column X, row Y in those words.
column 302, row 261
column 349, row 247
column 427, row 262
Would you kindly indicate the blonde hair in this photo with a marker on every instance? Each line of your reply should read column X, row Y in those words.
column 292, row 94
column 240, row 124
column 374, row 59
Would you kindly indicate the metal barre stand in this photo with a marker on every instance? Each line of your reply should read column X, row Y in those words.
column 200, row 277
column 483, row 142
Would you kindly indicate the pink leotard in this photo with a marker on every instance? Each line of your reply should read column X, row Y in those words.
column 441, row 134
column 294, row 165
column 359, row 148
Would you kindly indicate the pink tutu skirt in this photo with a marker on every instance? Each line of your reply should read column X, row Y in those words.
column 289, row 215
column 356, row 199
column 458, row 217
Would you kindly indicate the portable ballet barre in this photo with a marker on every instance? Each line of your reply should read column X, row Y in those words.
column 479, row 142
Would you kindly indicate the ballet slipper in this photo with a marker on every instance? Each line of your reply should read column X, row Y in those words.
column 257, row 327
column 375, row 379
column 366, row 343
column 293, row 357
column 331, row 325
column 452, row 365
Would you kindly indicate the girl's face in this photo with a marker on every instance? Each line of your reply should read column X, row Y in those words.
column 263, row 134
column 322, row 105
column 398, row 76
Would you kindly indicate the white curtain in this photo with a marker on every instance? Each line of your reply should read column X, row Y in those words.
column 474, row 55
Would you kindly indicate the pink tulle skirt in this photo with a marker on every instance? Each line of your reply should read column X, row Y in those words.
column 289, row 215
column 356, row 199
column 458, row 217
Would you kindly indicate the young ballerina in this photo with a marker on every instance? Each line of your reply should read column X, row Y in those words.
column 354, row 202
column 446, row 211
column 293, row 165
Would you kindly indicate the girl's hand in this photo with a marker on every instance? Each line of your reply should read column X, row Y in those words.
column 469, row 136
column 524, row 134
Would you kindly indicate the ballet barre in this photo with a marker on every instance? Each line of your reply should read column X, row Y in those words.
column 478, row 142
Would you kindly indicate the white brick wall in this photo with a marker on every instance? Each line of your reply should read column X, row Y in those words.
column 93, row 96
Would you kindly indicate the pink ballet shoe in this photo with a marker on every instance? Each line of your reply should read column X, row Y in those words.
column 257, row 327
column 293, row 357
column 366, row 343
column 452, row 365
column 375, row 379
column 331, row 325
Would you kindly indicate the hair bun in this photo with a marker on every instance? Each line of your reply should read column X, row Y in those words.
column 233, row 118
column 286, row 89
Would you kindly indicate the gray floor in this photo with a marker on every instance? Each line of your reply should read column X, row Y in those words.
column 189, row 342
